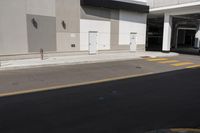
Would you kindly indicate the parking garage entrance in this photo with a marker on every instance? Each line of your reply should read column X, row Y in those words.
column 185, row 35
column 186, row 38
column 184, row 31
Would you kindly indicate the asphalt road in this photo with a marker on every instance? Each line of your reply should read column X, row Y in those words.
column 162, row 100
column 18, row 81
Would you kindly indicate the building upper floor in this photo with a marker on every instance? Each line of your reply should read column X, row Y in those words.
column 164, row 3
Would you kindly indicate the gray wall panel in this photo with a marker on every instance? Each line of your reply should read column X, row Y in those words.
column 44, row 36
column 114, row 41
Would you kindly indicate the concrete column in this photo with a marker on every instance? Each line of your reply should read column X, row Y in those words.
column 167, row 33
column 197, row 38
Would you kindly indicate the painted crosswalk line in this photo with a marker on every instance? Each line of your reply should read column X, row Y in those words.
column 168, row 61
column 182, row 64
column 157, row 59
column 173, row 62
column 194, row 66
column 185, row 130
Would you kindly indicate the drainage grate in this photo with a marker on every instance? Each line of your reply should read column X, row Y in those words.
column 138, row 67
column 145, row 57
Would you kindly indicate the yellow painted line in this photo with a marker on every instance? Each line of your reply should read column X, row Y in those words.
column 185, row 130
column 157, row 59
column 182, row 64
column 57, row 87
column 194, row 66
column 169, row 61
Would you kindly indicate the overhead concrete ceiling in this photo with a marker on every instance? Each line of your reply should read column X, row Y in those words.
column 195, row 16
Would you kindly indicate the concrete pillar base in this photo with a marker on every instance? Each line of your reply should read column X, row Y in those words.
column 197, row 38
column 167, row 33
column 165, row 51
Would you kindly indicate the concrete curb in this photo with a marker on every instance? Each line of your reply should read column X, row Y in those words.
column 80, row 62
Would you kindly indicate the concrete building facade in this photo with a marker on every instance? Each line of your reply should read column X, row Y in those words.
column 174, row 25
column 26, row 26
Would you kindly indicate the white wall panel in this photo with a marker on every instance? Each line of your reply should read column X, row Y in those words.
column 41, row 7
column 132, row 22
column 103, row 29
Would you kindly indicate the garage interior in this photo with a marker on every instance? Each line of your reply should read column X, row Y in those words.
column 155, row 25
column 184, row 31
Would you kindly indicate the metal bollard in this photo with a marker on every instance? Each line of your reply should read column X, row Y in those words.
column 42, row 54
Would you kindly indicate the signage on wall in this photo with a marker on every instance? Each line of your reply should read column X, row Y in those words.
column 35, row 23
column 64, row 25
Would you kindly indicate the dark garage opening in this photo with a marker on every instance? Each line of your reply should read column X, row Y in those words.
column 183, row 34
column 186, row 38
column 186, row 42
column 154, row 32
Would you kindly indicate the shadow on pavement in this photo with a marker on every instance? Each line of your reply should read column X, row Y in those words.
column 187, row 51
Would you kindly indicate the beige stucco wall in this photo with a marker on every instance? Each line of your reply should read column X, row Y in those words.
column 13, row 29
column 69, row 12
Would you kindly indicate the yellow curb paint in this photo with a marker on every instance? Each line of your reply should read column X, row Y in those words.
column 169, row 61
column 182, row 64
column 194, row 66
column 71, row 85
column 157, row 59
column 185, row 129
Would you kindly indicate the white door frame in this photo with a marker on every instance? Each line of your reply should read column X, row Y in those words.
column 92, row 38
column 133, row 45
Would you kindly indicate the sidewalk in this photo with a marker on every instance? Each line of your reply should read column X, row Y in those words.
column 78, row 59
